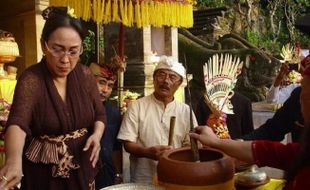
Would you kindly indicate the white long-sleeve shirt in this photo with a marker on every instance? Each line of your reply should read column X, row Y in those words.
column 280, row 95
column 147, row 122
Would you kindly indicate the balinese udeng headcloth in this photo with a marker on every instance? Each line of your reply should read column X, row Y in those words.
column 108, row 71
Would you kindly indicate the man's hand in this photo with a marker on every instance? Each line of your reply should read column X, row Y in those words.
column 157, row 151
column 153, row 152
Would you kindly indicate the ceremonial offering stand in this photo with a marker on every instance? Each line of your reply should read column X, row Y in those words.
column 8, row 53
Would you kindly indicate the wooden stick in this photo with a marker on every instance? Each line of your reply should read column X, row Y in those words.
column 171, row 130
column 194, row 145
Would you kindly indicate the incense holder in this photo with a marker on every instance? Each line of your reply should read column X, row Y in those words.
column 176, row 170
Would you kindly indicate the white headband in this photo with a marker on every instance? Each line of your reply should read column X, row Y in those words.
column 170, row 64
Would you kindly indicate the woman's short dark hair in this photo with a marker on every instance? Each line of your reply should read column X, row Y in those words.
column 57, row 17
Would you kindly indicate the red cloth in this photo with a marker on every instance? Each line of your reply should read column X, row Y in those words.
column 305, row 63
column 277, row 155
column 108, row 71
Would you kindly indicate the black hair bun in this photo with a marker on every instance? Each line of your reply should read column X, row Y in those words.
column 52, row 12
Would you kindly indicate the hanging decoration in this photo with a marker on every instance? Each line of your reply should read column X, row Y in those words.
column 141, row 13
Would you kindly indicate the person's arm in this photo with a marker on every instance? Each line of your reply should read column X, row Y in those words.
column 94, row 142
column 242, row 150
column 118, row 166
column 153, row 152
column 100, row 118
column 273, row 94
column 262, row 153
column 284, row 70
column 247, row 120
column 281, row 123
column 14, row 144
column 117, row 154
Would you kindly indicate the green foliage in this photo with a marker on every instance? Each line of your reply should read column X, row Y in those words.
column 265, row 39
column 253, row 37
column 89, row 47
column 214, row 3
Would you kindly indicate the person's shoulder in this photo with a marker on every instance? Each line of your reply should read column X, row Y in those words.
column 238, row 97
column 297, row 91
column 182, row 106
column 144, row 99
column 110, row 107
column 33, row 73
column 84, row 69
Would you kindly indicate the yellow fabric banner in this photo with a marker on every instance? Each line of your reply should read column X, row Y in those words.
column 142, row 13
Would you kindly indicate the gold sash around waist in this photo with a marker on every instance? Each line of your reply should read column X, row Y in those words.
column 53, row 150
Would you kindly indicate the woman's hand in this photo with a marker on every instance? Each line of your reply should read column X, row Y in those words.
column 10, row 175
column 205, row 135
column 94, row 142
column 284, row 70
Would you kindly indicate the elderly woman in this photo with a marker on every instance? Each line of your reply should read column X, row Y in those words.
column 294, row 158
column 56, row 122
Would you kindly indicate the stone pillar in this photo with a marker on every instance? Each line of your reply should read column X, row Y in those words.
column 40, row 6
column 23, row 19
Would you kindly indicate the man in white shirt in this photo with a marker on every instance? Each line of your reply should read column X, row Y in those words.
column 145, row 127
column 281, row 88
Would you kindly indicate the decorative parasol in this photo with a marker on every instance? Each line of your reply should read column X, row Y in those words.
column 158, row 13
column 303, row 24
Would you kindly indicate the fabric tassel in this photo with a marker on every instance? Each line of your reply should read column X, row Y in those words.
column 107, row 16
column 158, row 13
column 115, row 17
column 102, row 8
column 95, row 10
column 43, row 152
column 138, row 14
column 152, row 12
column 130, row 13
column 125, row 11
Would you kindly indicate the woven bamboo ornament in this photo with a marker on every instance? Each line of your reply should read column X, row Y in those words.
column 290, row 54
column 220, row 77
column 142, row 13
column 220, row 74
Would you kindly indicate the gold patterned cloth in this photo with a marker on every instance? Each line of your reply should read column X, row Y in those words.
column 53, row 150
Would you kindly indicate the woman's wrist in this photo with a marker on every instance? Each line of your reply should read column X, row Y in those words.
column 99, row 129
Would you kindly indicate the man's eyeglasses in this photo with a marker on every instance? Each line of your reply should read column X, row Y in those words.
column 161, row 76
column 60, row 52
